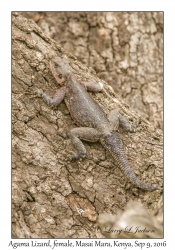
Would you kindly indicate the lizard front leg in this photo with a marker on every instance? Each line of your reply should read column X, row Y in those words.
column 82, row 133
column 94, row 87
column 57, row 98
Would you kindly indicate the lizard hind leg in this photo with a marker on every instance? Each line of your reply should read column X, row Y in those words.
column 113, row 118
column 82, row 133
column 130, row 127
column 116, row 119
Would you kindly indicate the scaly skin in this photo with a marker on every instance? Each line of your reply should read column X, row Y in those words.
column 95, row 126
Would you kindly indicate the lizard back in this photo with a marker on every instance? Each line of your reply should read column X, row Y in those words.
column 83, row 109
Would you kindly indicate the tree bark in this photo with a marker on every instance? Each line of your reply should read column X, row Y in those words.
column 50, row 191
column 124, row 48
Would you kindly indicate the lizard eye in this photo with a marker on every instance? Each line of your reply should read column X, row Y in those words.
column 60, row 76
column 56, row 65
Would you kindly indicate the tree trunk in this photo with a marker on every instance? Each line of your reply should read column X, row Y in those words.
column 54, row 197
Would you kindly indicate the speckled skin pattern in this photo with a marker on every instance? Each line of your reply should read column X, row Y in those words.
column 93, row 122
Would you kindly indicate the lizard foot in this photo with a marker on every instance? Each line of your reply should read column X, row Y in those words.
column 39, row 92
column 77, row 156
column 36, row 93
column 131, row 127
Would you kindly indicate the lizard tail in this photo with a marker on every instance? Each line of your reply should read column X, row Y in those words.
column 113, row 144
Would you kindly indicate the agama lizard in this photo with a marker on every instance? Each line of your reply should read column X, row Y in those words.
column 95, row 124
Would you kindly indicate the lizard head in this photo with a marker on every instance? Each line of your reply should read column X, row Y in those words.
column 61, row 70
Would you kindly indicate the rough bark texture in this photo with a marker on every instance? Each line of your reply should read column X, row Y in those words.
column 124, row 48
column 49, row 190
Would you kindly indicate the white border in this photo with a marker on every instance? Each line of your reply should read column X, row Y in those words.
column 5, row 101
